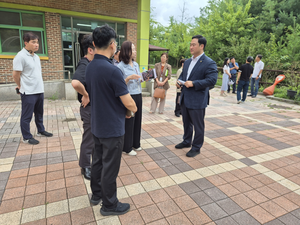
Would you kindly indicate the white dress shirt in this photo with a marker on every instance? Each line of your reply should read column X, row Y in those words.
column 192, row 65
column 258, row 66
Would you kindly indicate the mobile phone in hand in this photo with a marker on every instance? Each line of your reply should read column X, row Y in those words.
column 17, row 90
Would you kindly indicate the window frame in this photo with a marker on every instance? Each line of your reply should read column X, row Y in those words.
column 21, row 28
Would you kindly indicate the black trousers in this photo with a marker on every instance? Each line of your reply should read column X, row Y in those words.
column 32, row 104
column 233, row 78
column 177, row 105
column 87, row 143
column 105, row 168
column 133, row 127
column 193, row 119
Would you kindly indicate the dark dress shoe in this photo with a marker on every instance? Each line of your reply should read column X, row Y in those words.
column 121, row 209
column 95, row 200
column 192, row 153
column 86, row 172
column 177, row 115
column 182, row 145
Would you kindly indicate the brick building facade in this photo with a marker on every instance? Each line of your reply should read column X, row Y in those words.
column 121, row 14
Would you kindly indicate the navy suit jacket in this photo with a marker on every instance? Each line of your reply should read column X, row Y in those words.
column 203, row 75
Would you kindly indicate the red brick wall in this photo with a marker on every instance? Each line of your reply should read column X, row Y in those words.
column 55, row 62
column 117, row 8
column 131, row 33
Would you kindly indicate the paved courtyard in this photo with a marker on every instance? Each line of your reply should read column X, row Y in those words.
column 248, row 171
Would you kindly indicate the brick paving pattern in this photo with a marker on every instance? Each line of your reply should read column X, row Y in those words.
column 248, row 171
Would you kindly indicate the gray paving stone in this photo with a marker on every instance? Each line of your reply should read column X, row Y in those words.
column 20, row 165
column 151, row 151
column 189, row 187
column 220, row 122
column 54, row 160
column 277, row 115
column 157, row 156
column 1, row 195
column 69, row 152
column 243, row 218
column 175, row 160
column 3, row 184
column 297, row 155
column 258, row 127
column 226, row 221
column 162, row 149
column 4, row 175
column 219, row 133
column 171, row 170
column 229, row 206
column 163, row 163
column 10, row 149
column 215, row 193
column 70, row 158
column 203, row 183
column 214, row 211
column 39, row 156
column 281, row 146
column 201, row 198
column 8, row 154
column 168, row 154
column 22, row 158
column 183, row 167
column 53, row 154
column 296, row 213
column 247, row 161
column 274, row 222
column 289, row 219
column 285, row 123
column 39, row 162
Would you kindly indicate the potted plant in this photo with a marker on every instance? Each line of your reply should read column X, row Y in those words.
column 292, row 92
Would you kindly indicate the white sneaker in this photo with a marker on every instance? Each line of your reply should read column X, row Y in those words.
column 137, row 149
column 132, row 152
column 239, row 102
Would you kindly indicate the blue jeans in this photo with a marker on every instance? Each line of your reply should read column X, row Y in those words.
column 242, row 85
column 256, row 83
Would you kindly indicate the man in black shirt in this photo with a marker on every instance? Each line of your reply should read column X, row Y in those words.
column 110, row 101
column 243, row 78
column 78, row 82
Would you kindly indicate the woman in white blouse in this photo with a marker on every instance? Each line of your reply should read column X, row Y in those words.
column 226, row 77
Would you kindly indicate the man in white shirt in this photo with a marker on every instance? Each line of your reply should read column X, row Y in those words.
column 258, row 68
column 27, row 74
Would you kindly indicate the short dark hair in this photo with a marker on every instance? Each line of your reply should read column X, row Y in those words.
column 249, row 59
column 87, row 42
column 201, row 40
column 126, row 52
column 164, row 53
column 103, row 35
column 182, row 61
column 259, row 56
column 28, row 36
column 232, row 58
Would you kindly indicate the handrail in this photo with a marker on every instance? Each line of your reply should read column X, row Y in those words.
column 59, row 71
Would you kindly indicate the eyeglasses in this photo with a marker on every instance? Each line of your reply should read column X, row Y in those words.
column 116, row 43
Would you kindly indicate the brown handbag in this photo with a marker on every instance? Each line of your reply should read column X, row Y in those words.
column 159, row 93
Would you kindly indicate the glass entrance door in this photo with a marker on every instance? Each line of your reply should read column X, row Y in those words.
column 72, row 50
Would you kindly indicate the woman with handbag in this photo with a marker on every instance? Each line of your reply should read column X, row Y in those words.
column 226, row 76
column 133, row 79
column 161, row 85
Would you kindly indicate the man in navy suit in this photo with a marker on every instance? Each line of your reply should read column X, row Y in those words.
column 198, row 74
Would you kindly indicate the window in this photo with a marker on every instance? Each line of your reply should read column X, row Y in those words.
column 13, row 24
